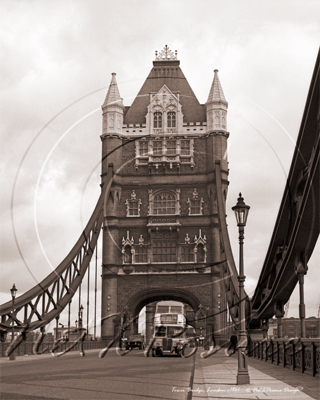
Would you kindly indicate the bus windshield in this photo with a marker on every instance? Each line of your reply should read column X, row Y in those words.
column 160, row 331
column 173, row 331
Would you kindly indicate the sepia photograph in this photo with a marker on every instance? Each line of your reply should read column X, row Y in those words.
column 159, row 199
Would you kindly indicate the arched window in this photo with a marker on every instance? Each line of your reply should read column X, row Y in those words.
column 164, row 203
column 127, row 255
column 171, row 119
column 200, row 253
column 157, row 119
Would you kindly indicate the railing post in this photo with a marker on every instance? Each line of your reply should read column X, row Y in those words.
column 267, row 347
column 284, row 354
column 302, row 358
column 313, row 359
column 293, row 359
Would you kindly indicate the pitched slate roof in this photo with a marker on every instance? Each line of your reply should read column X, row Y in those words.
column 170, row 74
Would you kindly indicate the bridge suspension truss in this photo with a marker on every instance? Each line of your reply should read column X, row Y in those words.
column 36, row 308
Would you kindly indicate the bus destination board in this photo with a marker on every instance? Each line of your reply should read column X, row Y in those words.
column 168, row 318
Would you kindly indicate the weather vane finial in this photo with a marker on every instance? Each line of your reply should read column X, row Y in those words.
column 166, row 54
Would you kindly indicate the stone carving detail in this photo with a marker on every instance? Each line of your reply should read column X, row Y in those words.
column 127, row 241
column 166, row 54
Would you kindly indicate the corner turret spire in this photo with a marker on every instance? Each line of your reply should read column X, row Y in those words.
column 216, row 106
column 112, row 109
column 216, row 94
column 113, row 95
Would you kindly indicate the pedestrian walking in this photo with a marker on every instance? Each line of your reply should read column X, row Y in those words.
column 232, row 344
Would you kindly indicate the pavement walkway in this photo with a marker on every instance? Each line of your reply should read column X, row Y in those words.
column 215, row 378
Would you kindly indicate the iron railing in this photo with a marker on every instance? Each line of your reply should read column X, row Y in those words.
column 297, row 354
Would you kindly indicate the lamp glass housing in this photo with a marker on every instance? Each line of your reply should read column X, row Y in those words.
column 13, row 291
column 241, row 211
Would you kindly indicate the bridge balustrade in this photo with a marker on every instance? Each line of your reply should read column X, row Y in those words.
column 300, row 355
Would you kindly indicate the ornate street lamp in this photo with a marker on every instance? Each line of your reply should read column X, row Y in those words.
column 13, row 291
column 241, row 211
column 80, row 317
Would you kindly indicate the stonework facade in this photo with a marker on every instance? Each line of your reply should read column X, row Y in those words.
column 161, row 234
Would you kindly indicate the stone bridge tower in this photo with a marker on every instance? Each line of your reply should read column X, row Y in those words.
column 161, row 234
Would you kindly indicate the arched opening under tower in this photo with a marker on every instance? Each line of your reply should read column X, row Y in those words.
column 142, row 307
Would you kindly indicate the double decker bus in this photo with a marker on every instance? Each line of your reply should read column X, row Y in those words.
column 169, row 334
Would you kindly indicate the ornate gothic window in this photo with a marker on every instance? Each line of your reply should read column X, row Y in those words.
column 171, row 119
column 171, row 147
column 200, row 253
column 195, row 204
column 185, row 147
column 127, row 249
column 164, row 203
column 143, row 148
column 157, row 148
column 127, row 255
column 157, row 119
column 200, row 248
column 164, row 251
column 133, row 205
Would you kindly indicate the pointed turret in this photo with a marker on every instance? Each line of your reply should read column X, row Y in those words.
column 216, row 106
column 112, row 109
column 216, row 94
column 113, row 95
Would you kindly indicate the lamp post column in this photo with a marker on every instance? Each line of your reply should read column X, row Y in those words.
column 13, row 291
column 241, row 211
column 243, row 375
column 12, row 356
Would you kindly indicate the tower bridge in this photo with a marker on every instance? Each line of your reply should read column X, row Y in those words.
column 162, row 214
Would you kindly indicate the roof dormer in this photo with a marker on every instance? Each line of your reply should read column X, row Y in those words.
column 164, row 112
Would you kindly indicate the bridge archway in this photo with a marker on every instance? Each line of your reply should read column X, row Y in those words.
column 195, row 313
column 141, row 299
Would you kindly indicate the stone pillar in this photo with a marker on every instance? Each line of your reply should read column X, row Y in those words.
column 301, row 269
column 279, row 313
column 150, row 311
column 265, row 327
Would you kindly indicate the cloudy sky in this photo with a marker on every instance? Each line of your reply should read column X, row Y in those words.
column 57, row 60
